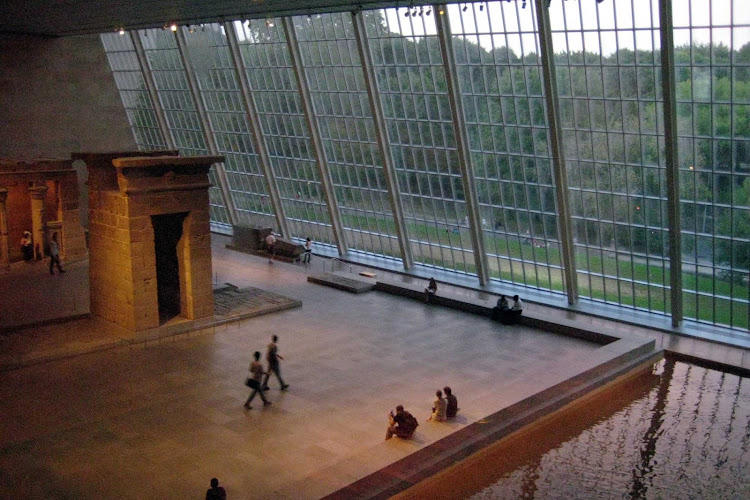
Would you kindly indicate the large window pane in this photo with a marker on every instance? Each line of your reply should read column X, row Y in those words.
column 499, row 76
column 411, row 80
column 712, row 59
column 269, row 70
column 608, row 76
column 182, row 118
column 342, row 108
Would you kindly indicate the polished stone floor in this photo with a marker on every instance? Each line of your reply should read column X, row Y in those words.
column 159, row 419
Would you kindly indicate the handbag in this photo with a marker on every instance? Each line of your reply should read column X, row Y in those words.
column 252, row 383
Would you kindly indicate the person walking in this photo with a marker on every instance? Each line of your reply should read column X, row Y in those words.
column 271, row 246
column 254, row 381
column 54, row 255
column 308, row 251
column 273, row 357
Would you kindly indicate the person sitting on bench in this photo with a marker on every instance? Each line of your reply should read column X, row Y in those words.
column 500, row 311
column 516, row 309
column 430, row 290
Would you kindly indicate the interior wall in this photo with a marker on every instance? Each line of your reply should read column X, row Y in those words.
column 57, row 96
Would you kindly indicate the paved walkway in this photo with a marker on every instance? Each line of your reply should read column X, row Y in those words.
column 158, row 419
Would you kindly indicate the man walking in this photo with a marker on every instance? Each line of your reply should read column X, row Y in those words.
column 271, row 246
column 273, row 357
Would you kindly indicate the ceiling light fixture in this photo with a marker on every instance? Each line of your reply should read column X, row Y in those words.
column 441, row 11
column 269, row 23
column 121, row 31
column 173, row 27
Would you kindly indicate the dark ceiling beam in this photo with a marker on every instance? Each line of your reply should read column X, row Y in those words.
column 82, row 17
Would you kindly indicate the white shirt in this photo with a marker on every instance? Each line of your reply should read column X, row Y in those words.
column 517, row 305
column 270, row 239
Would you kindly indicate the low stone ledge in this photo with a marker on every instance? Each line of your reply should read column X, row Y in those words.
column 485, row 307
column 345, row 283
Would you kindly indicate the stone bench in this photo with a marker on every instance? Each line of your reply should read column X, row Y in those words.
column 348, row 283
column 484, row 307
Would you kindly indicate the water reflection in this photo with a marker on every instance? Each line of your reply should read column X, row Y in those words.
column 680, row 432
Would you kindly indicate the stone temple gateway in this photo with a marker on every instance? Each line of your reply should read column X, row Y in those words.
column 149, row 238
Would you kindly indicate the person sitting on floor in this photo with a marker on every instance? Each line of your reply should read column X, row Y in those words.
column 438, row 408
column 430, row 290
column 451, row 401
column 500, row 311
column 402, row 424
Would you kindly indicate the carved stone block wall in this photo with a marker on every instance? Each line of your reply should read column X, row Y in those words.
column 123, row 262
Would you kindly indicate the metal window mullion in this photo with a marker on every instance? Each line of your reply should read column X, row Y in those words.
column 192, row 81
column 669, row 108
column 148, row 78
column 315, row 139
column 471, row 199
column 558, row 158
column 256, row 132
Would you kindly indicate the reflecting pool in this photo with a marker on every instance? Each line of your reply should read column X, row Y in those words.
column 682, row 431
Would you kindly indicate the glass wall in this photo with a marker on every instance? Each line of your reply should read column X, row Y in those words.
column 411, row 80
column 211, row 60
column 607, row 58
column 712, row 69
column 610, row 105
column 269, row 70
column 342, row 107
column 182, row 118
column 499, row 74
column 135, row 98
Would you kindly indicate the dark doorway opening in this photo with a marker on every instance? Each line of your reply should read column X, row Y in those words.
column 167, row 234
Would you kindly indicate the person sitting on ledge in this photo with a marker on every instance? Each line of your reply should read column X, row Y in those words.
column 451, row 403
column 500, row 311
column 516, row 309
column 402, row 424
column 430, row 290
column 438, row 408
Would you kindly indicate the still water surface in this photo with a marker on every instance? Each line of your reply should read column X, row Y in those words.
column 682, row 431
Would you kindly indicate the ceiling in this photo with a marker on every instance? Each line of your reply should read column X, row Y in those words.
column 78, row 17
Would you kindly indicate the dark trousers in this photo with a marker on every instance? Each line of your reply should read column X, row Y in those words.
column 55, row 259
column 259, row 390
column 276, row 370
column 307, row 256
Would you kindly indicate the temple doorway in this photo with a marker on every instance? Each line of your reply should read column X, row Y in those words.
column 167, row 236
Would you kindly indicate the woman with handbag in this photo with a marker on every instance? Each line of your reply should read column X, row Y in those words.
column 253, row 381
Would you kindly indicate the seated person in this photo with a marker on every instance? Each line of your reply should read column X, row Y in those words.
column 451, row 403
column 516, row 309
column 402, row 424
column 500, row 311
column 438, row 408
column 430, row 290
